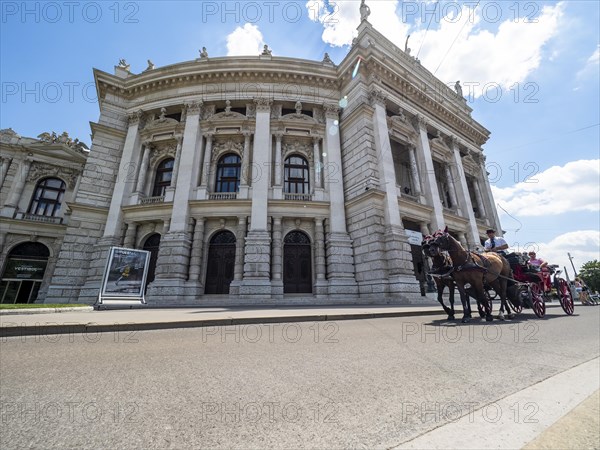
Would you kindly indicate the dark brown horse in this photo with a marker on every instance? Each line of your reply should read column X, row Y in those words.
column 441, row 272
column 473, row 272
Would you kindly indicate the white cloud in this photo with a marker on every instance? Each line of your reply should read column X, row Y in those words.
column 583, row 246
column 592, row 64
column 503, row 57
column 246, row 40
column 557, row 190
column 341, row 19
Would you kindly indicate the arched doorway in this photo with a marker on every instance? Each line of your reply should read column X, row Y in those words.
column 152, row 244
column 297, row 273
column 220, row 264
column 23, row 273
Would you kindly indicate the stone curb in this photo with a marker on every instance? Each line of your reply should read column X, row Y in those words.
column 9, row 312
column 85, row 328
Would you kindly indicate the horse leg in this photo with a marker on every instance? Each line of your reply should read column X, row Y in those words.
column 482, row 297
column 440, row 298
column 466, row 303
column 451, row 289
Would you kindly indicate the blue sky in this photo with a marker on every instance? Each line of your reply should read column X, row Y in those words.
column 533, row 68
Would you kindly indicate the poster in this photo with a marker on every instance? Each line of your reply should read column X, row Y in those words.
column 125, row 274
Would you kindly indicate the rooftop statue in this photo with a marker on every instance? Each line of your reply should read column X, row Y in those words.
column 365, row 11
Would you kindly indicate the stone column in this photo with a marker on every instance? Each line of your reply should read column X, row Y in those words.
column 340, row 254
column 206, row 161
column 238, row 272
column 183, row 188
column 123, row 187
column 317, row 162
column 130, row 235
column 385, row 160
column 427, row 172
column 257, row 271
column 414, row 169
column 277, row 268
column 245, row 181
column 173, row 263
column 478, row 199
column 278, row 162
column 5, row 164
column 451, row 187
column 143, row 173
column 463, row 192
column 397, row 256
column 196, row 254
column 320, row 268
column 177, row 162
column 18, row 185
column 492, row 213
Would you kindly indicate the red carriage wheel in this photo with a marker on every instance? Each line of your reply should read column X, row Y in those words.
column 565, row 297
column 537, row 300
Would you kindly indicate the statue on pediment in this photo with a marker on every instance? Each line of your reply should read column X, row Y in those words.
column 266, row 51
column 327, row 59
column 203, row 53
column 365, row 11
column 458, row 88
column 298, row 107
column 150, row 66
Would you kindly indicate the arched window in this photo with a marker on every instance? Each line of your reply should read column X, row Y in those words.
column 228, row 174
column 296, row 175
column 48, row 197
column 164, row 173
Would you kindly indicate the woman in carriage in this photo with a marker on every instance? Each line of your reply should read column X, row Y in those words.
column 542, row 266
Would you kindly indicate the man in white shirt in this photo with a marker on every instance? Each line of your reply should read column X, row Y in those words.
column 494, row 243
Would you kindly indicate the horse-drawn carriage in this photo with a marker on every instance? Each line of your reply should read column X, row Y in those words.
column 533, row 286
column 478, row 276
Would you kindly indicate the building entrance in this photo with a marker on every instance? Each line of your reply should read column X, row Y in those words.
column 221, row 263
column 152, row 245
column 297, row 274
column 23, row 273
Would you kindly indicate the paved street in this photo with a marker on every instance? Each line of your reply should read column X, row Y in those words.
column 358, row 383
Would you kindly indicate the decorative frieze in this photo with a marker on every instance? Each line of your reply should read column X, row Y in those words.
column 160, row 152
column 40, row 170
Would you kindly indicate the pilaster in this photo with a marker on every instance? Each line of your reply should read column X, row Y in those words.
column 427, row 172
column 463, row 191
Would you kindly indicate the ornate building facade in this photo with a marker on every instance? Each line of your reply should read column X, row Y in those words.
column 266, row 180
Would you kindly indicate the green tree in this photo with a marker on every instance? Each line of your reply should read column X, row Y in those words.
column 590, row 273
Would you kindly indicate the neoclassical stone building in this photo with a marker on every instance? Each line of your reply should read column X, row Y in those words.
column 270, row 180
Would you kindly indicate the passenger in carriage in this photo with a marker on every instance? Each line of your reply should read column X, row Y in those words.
column 495, row 244
column 542, row 265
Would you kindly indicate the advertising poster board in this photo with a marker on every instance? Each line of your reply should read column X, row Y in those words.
column 125, row 275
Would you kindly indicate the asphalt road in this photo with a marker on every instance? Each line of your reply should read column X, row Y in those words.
column 348, row 384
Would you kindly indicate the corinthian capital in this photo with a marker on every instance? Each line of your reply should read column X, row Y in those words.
column 263, row 104
column 420, row 121
column 193, row 107
column 135, row 117
column 331, row 110
column 377, row 97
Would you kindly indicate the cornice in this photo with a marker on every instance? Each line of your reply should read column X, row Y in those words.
column 219, row 70
column 98, row 127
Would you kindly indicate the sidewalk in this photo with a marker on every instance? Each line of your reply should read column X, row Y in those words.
column 155, row 319
column 90, row 321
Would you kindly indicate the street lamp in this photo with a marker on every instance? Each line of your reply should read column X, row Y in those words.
column 572, row 265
